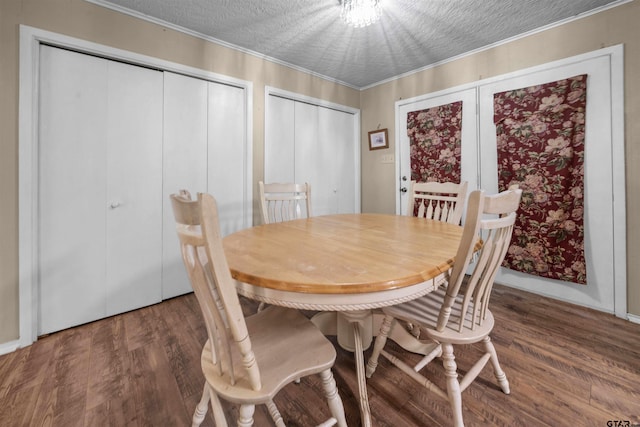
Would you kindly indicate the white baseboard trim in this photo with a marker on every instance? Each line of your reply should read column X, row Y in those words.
column 9, row 347
column 633, row 318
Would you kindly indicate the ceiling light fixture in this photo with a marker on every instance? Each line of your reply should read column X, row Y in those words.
column 360, row 13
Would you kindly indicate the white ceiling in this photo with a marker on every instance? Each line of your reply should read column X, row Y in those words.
column 309, row 35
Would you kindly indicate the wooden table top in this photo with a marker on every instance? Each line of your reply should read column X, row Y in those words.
column 342, row 254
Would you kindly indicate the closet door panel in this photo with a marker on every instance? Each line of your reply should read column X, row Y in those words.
column 337, row 130
column 306, row 142
column 309, row 163
column 72, row 178
column 227, row 142
column 134, row 187
column 323, row 157
column 184, row 166
column 279, row 148
column 115, row 140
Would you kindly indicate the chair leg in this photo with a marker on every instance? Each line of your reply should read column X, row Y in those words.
column 201, row 407
column 333, row 398
column 245, row 418
column 500, row 375
column 218, row 412
column 453, row 386
column 275, row 414
column 379, row 344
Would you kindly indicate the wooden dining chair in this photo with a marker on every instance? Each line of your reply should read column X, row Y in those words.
column 284, row 201
column 459, row 314
column 245, row 361
column 442, row 201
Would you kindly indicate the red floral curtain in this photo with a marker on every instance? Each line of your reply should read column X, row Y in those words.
column 540, row 139
column 434, row 136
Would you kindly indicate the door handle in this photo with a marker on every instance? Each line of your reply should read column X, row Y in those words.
column 114, row 205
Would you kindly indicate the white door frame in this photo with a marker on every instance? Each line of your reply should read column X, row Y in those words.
column 30, row 40
column 616, row 57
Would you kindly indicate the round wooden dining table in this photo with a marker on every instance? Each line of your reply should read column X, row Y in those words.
column 345, row 266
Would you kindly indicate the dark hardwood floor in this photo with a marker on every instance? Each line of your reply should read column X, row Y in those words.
column 567, row 366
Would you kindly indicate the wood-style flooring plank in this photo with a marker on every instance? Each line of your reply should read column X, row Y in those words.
column 29, row 366
column 120, row 411
column 109, row 365
column 62, row 395
column 140, row 328
column 10, row 365
column 156, row 393
column 17, row 407
column 621, row 403
column 567, row 366
column 182, row 346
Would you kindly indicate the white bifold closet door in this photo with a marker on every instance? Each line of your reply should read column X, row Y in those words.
column 184, row 166
column 100, row 181
column 314, row 144
column 204, row 151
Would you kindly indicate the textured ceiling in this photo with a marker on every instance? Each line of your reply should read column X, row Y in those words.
column 309, row 34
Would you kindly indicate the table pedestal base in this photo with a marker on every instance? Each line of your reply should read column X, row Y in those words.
column 355, row 331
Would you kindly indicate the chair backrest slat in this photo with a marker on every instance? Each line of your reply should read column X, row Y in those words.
column 490, row 218
column 442, row 201
column 284, row 201
column 197, row 224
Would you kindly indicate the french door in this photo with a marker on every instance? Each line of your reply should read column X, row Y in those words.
column 469, row 137
column 604, row 169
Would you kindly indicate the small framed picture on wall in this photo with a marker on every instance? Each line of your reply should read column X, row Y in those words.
column 378, row 139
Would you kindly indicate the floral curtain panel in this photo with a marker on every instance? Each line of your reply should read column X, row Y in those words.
column 540, row 138
column 434, row 136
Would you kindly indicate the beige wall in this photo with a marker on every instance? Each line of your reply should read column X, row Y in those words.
column 608, row 28
column 79, row 19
